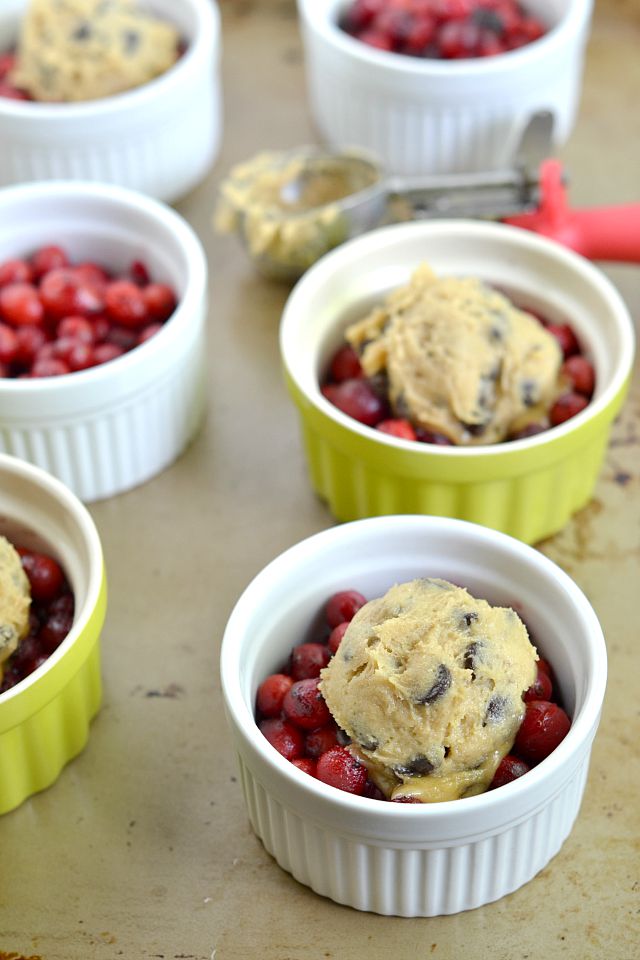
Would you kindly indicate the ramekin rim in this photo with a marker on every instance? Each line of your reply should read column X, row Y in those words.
column 243, row 718
column 195, row 288
column 208, row 31
column 572, row 20
column 324, row 267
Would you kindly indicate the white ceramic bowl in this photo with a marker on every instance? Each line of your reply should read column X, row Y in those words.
column 111, row 427
column 412, row 860
column 527, row 488
column 160, row 138
column 438, row 116
column 45, row 718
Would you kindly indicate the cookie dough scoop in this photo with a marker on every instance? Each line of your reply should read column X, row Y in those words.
column 15, row 600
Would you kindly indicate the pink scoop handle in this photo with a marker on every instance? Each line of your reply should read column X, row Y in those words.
column 598, row 233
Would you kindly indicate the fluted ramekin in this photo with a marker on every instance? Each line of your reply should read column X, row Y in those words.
column 527, row 488
column 441, row 116
column 44, row 719
column 114, row 426
column 160, row 138
column 412, row 860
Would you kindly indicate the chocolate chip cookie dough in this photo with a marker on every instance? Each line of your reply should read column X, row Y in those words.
column 428, row 683
column 71, row 50
column 15, row 599
column 460, row 358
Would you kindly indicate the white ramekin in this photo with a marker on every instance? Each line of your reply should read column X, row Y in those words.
column 160, row 138
column 441, row 116
column 412, row 860
column 111, row 427
column 45, row 718
column 527, row 488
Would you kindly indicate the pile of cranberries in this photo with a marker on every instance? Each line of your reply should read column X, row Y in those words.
column 50, row 616
column 293, row 716
column 7, row 89
column 366, row 399
column 57, row 317
column 442, row 29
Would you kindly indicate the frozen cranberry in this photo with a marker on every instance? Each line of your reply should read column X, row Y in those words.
column 7, row 64
column 306, row 764
column 345, row 364
column 139, row 273
column 100, row 326
column 339, row 769
column 159, row 300
column 55, row 629
column 20, row 304
column 545, row 725
column 48, row 258
column 541, row 688
column 357, row 399
column 80, row 356
column 580, row 373
column 271, row 694
column 286, row 738
column 308, row 659
column 124, row 337
column 397, row 428
column 104, row 352
column 319, row 741
column 343, row 606
column 304, row 705
column 44, row 574
column 566, row 407
column 377, row 39
column 78, row 328
column 30, row 341
column 336, row 636
column 8, row 344
column 63, row 294
column 49, row 367
column 15, row 271
column 125, row 305
column 565, row 337
column 509, row 768
column 148, row 332
column 93, row 274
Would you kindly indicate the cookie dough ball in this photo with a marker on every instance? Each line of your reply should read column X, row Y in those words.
column 15, row 599
column 428, row 683
column 72, row 50
column 460, row 359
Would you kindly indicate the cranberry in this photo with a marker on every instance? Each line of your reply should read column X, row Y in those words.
column 124, row 337
column 139, row 273
column 308, row 659
column 546, row 666
column 428, row 436
column 80, row 356
column 44, row 574
column 304, row 705
column 20, row 304
column 565, row 337
column 63, row 293
column 541, row 688
column 48, row 258
column 580, row 373
column 545, row 725
column 319, row 741
column 306, row 764
column 93, row 274
column 160, row 301
column 531, row 430
column 566, row 407
column 78, row 328
column 7, row 64
column 271, row 694
column 397, row 428
column 339, row 769
column 107, row 351
column 49, row 367
column 125, row 304
column 343, row 606
column 55, row 629
column 12, row 93
column 509, row 768
column 282, row 735
column 357, row 399
column 345, row 364
column 149, row 331
column 15, row 271
column 30, row 341
column 336, row 636
column 8, row 344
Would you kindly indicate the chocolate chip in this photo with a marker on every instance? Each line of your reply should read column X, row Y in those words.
column 367, row 743
column 438, row 688
column 131, row 41
column 529, row 392
column 496, row 710
column 342, row 737
column 496, row 335
column 416, row 767
column 475, row 429
column 401, row 407
column 83, row 32
column 467, row 619
column 471, row 656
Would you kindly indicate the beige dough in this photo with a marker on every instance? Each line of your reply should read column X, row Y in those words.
column 15, row 599
column 71, row 50
column 428, row 683
column 461, row 360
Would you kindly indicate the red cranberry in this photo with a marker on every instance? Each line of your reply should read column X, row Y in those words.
column 20, row 304
column 148, row 332
column 271, row 694
column 15, row 271
column 286, row 738
column 49, row 367
column 531, row 430
column 336, row 636
column 580, row 373
column 124, row 337
column 78, row 328
column 48, row 258
column 566, row 407
column 306, row 764
column 93, row 274
column 339, row 769
column 63, row 294
column 397, row 428
column 509, row 768
column 159, row 300
column 30, row 341
column 428, row 436
column 54, row 630
column 357, row 399
column 545, row 725
column 319, row 741
column 125, row 304
column 345, row 364
column 308, row 659
column 8, row 344
column 343, row 606
column 304, row 705
column 104, row 352
column 12, row 93
column 541, row 688
column 139, row 273
column 44, row 574
column 565, row 337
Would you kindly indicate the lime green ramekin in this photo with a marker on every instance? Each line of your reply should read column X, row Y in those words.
column 45, row 719
column 526, row 488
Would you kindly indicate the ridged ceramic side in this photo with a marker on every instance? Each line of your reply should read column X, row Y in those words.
column 411, row 881
column 428, row 116
column 161, row 138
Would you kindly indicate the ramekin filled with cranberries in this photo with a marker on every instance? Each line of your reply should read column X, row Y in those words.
column 456, row 368
column 52, row 607
column 442, row 86
column 159, row 137
column 310, row 798
column 102, row 323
